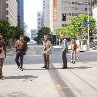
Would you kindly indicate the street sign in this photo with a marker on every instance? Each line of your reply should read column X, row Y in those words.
column 88, row 22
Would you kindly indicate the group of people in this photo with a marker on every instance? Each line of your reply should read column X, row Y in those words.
column 21, row 48
column 47, row 51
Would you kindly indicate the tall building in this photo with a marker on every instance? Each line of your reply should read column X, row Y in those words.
column 20, row 13
column 33, row 34
column 39, row 20
column 8, row 11
column 94, row 9
column 59, row 12
column 46, row 13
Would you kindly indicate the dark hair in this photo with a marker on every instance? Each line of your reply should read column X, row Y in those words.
column 46, row 35
column 21, row 36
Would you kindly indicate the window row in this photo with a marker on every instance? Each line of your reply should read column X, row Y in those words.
column 75, row 3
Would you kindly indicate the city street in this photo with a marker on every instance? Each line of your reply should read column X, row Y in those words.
column 78, row 80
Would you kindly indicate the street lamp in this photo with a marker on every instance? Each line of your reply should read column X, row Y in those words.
column 88, row 30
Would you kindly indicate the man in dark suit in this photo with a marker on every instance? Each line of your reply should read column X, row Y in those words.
column 63, row 50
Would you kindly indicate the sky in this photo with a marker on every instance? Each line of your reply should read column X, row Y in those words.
column 31, row 7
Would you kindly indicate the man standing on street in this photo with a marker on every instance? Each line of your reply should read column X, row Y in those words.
column 46, row 51
column 21, row 48
column 63, row 50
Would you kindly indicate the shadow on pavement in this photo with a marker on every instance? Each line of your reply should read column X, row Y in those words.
column 34, row 69
column 81, row 67
column 21, row 77
column 15, row 94
column 58, row 81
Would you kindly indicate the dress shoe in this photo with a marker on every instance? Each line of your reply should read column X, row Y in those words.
column 2, row 78
column 73, row 62
column 47, row 68
column 64, row 68
column 43, row 67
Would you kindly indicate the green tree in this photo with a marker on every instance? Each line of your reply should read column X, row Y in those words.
column 77, row 26
column 27, row 39
column 10, row 31
column 17, row 32
column 43, row 31
column 4, row 27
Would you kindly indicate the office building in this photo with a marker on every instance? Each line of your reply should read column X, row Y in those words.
column 39, row 20
column 8, row 11
column 94, row 9
column 33, row 34
column 46, row 13
column 57, row 13
column 20, row 13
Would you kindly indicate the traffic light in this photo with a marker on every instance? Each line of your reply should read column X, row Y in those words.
column 63, row 17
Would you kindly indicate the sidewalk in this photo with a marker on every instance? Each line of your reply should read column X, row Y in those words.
column 79, row 80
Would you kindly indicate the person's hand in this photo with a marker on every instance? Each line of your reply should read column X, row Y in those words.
column 44, row 52
column 61, row 50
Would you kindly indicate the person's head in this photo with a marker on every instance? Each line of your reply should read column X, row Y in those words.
column 1, row 36
column 62, row 36
column 21, row 38
column 45, row 37
column 73, row 40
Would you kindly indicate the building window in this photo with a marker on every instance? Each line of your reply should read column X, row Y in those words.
column 73, row 14
column 7, row 5
column 76, row 3
column 7, row 12
column 85, row 9
column 39, row 23
column 72, row 2
column 69, row 14
column 64, row 17
column 63, row 25
column 7, row 18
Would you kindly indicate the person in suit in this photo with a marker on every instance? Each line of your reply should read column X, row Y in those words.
column 63, row 50
column 73, row 50
column 46, row 51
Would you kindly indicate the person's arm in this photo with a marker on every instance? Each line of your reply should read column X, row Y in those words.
column 16, row 45
column 26, row 46
column 64, row 45
column 50, row 46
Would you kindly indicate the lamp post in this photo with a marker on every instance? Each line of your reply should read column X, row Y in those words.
column 88, row 31
column 88, row 41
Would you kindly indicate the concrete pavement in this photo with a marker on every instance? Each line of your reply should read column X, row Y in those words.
column 79, row 80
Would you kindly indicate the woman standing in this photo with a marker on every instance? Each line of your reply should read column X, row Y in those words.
column 2, row 54
column 73, row 50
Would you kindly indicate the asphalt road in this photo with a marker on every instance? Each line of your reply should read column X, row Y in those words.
column 79, row 80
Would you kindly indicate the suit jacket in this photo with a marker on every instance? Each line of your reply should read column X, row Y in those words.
column 47, row 47
column 64, row 44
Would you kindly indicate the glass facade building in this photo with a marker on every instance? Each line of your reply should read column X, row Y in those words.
column 20, row 15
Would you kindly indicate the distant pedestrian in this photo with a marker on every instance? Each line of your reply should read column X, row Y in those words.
column 63, row 50
column 21, row 48
column 73, row 50
column 2, row 54
column 46, row 51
